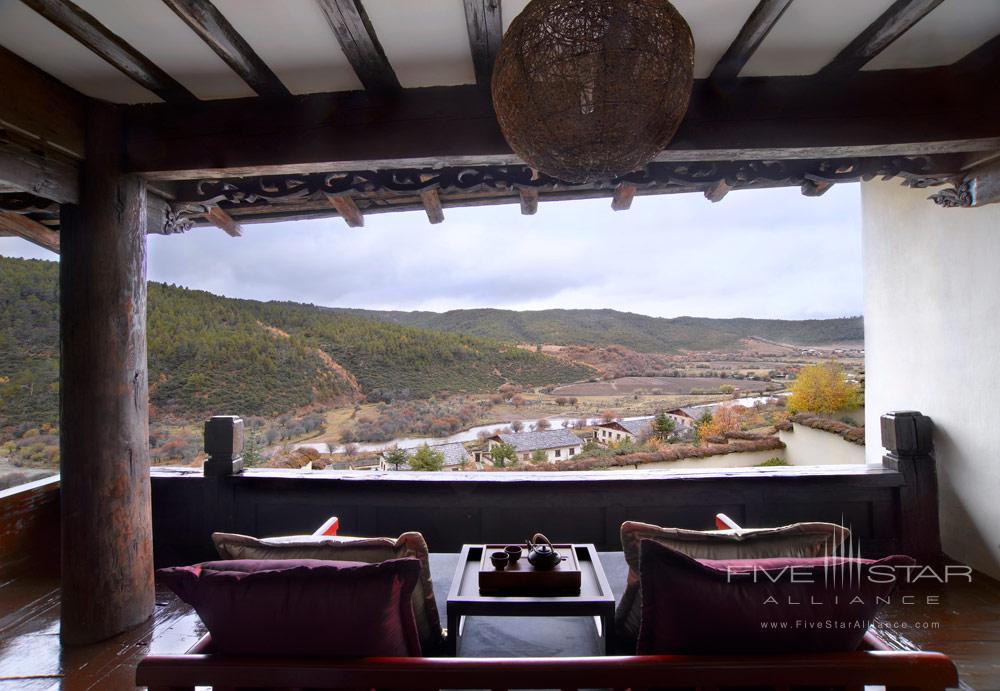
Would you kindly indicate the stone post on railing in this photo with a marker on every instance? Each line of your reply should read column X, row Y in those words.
column 908, row 439
column 224, row 445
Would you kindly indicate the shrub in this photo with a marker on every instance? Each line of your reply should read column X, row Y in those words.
column 773, row 462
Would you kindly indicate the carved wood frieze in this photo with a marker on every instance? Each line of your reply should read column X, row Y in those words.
column 374, row 184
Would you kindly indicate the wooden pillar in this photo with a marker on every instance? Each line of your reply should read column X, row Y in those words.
column 107, row 547
column 908, row 439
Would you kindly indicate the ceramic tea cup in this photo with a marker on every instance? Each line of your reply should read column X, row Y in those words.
column 499, row 560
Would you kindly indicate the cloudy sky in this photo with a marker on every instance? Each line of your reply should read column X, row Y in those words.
column 762, row 253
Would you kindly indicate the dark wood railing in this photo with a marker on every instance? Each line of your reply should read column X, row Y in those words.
column 29, row 527
column 451, row 509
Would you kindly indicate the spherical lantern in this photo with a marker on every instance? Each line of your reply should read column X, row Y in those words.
column 589, row 89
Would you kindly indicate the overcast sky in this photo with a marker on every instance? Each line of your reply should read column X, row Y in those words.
column 761, row 253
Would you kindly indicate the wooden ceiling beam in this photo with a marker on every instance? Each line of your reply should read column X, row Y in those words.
column 529, row 201
column 815, row 188
column 223, row 221
column 432, row 205
column 30, row 230
column 984, row 58
column 621, row 199
column 718, row 191
column 26, row 166
column 758, row 25
column 37, row 105
column 357, row 38
column 878, row 113
column 879, row 35
column 485, row 25
column 347, row 209
column 215, row 30
column 112, row 48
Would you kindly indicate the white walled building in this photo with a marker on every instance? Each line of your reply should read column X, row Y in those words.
column 557, row 444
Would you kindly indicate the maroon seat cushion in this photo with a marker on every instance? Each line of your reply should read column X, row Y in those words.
column 303, row 606
column 776, row 605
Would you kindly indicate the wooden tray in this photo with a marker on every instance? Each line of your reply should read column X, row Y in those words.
column 523, row 579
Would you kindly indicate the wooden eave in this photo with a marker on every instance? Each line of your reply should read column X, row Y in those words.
column 926, row 126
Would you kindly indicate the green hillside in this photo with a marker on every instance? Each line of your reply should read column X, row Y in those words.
column 636, row 331
column 210, row 354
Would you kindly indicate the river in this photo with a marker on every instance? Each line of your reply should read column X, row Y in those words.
column 472, row 433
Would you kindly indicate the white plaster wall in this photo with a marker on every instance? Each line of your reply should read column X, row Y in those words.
column 932, row 343
column 808, row 446
column 741, row 459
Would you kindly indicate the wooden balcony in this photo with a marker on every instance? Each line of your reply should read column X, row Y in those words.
column 452, row 509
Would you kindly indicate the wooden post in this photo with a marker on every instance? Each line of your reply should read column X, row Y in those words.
column 224, row 445
column 107, row 547
column 907, row 438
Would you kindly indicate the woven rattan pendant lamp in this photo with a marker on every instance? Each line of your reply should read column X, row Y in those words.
column 590, row 89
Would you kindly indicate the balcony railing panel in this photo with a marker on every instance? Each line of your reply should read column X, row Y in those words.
column 452, row 509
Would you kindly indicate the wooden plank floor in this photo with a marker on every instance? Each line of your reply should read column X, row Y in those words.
column 32, row 659
column 965, row 625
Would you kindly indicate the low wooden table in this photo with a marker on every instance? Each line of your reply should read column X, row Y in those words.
column 595, row 599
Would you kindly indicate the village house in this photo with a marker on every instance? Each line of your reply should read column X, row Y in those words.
column 616, row 431
column 557, row 444
column 685, row 417
column 455, row 458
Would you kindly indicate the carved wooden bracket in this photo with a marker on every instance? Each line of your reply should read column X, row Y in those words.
column 978, row 187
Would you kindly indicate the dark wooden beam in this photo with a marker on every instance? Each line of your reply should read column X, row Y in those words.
column 718, row 191
column 30, row 230
column 27, row 166
column 984, row 58
column 214, row 29
column 621, row 199
column 483, row 19
column 104, row 398
column 879, row 35
column 815, row 188
column 91, row 33
column 354, row 32
column 223, row 221
column 754, row 31
column 881, row 113
column 39, row 106
column 347, row 209
column 432, row 205
column 529, row 201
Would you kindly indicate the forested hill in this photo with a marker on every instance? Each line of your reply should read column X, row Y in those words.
column 636, row 331
column 210, row 354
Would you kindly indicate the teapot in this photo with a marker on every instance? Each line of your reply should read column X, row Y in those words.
column 541, row 554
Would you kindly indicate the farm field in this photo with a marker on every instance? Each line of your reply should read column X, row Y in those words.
column 664, row 385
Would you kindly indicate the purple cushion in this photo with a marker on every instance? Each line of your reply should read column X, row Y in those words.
column 302, row 606
column 777, row 605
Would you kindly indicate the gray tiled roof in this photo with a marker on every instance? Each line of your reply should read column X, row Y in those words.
column 454, row 454
column 637, row 427
column 534, row 441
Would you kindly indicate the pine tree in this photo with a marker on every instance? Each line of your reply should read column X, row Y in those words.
column 395, row 457
column 664, row 426
column 426, row 458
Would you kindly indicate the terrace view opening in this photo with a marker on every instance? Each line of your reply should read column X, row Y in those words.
column 498, row 344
